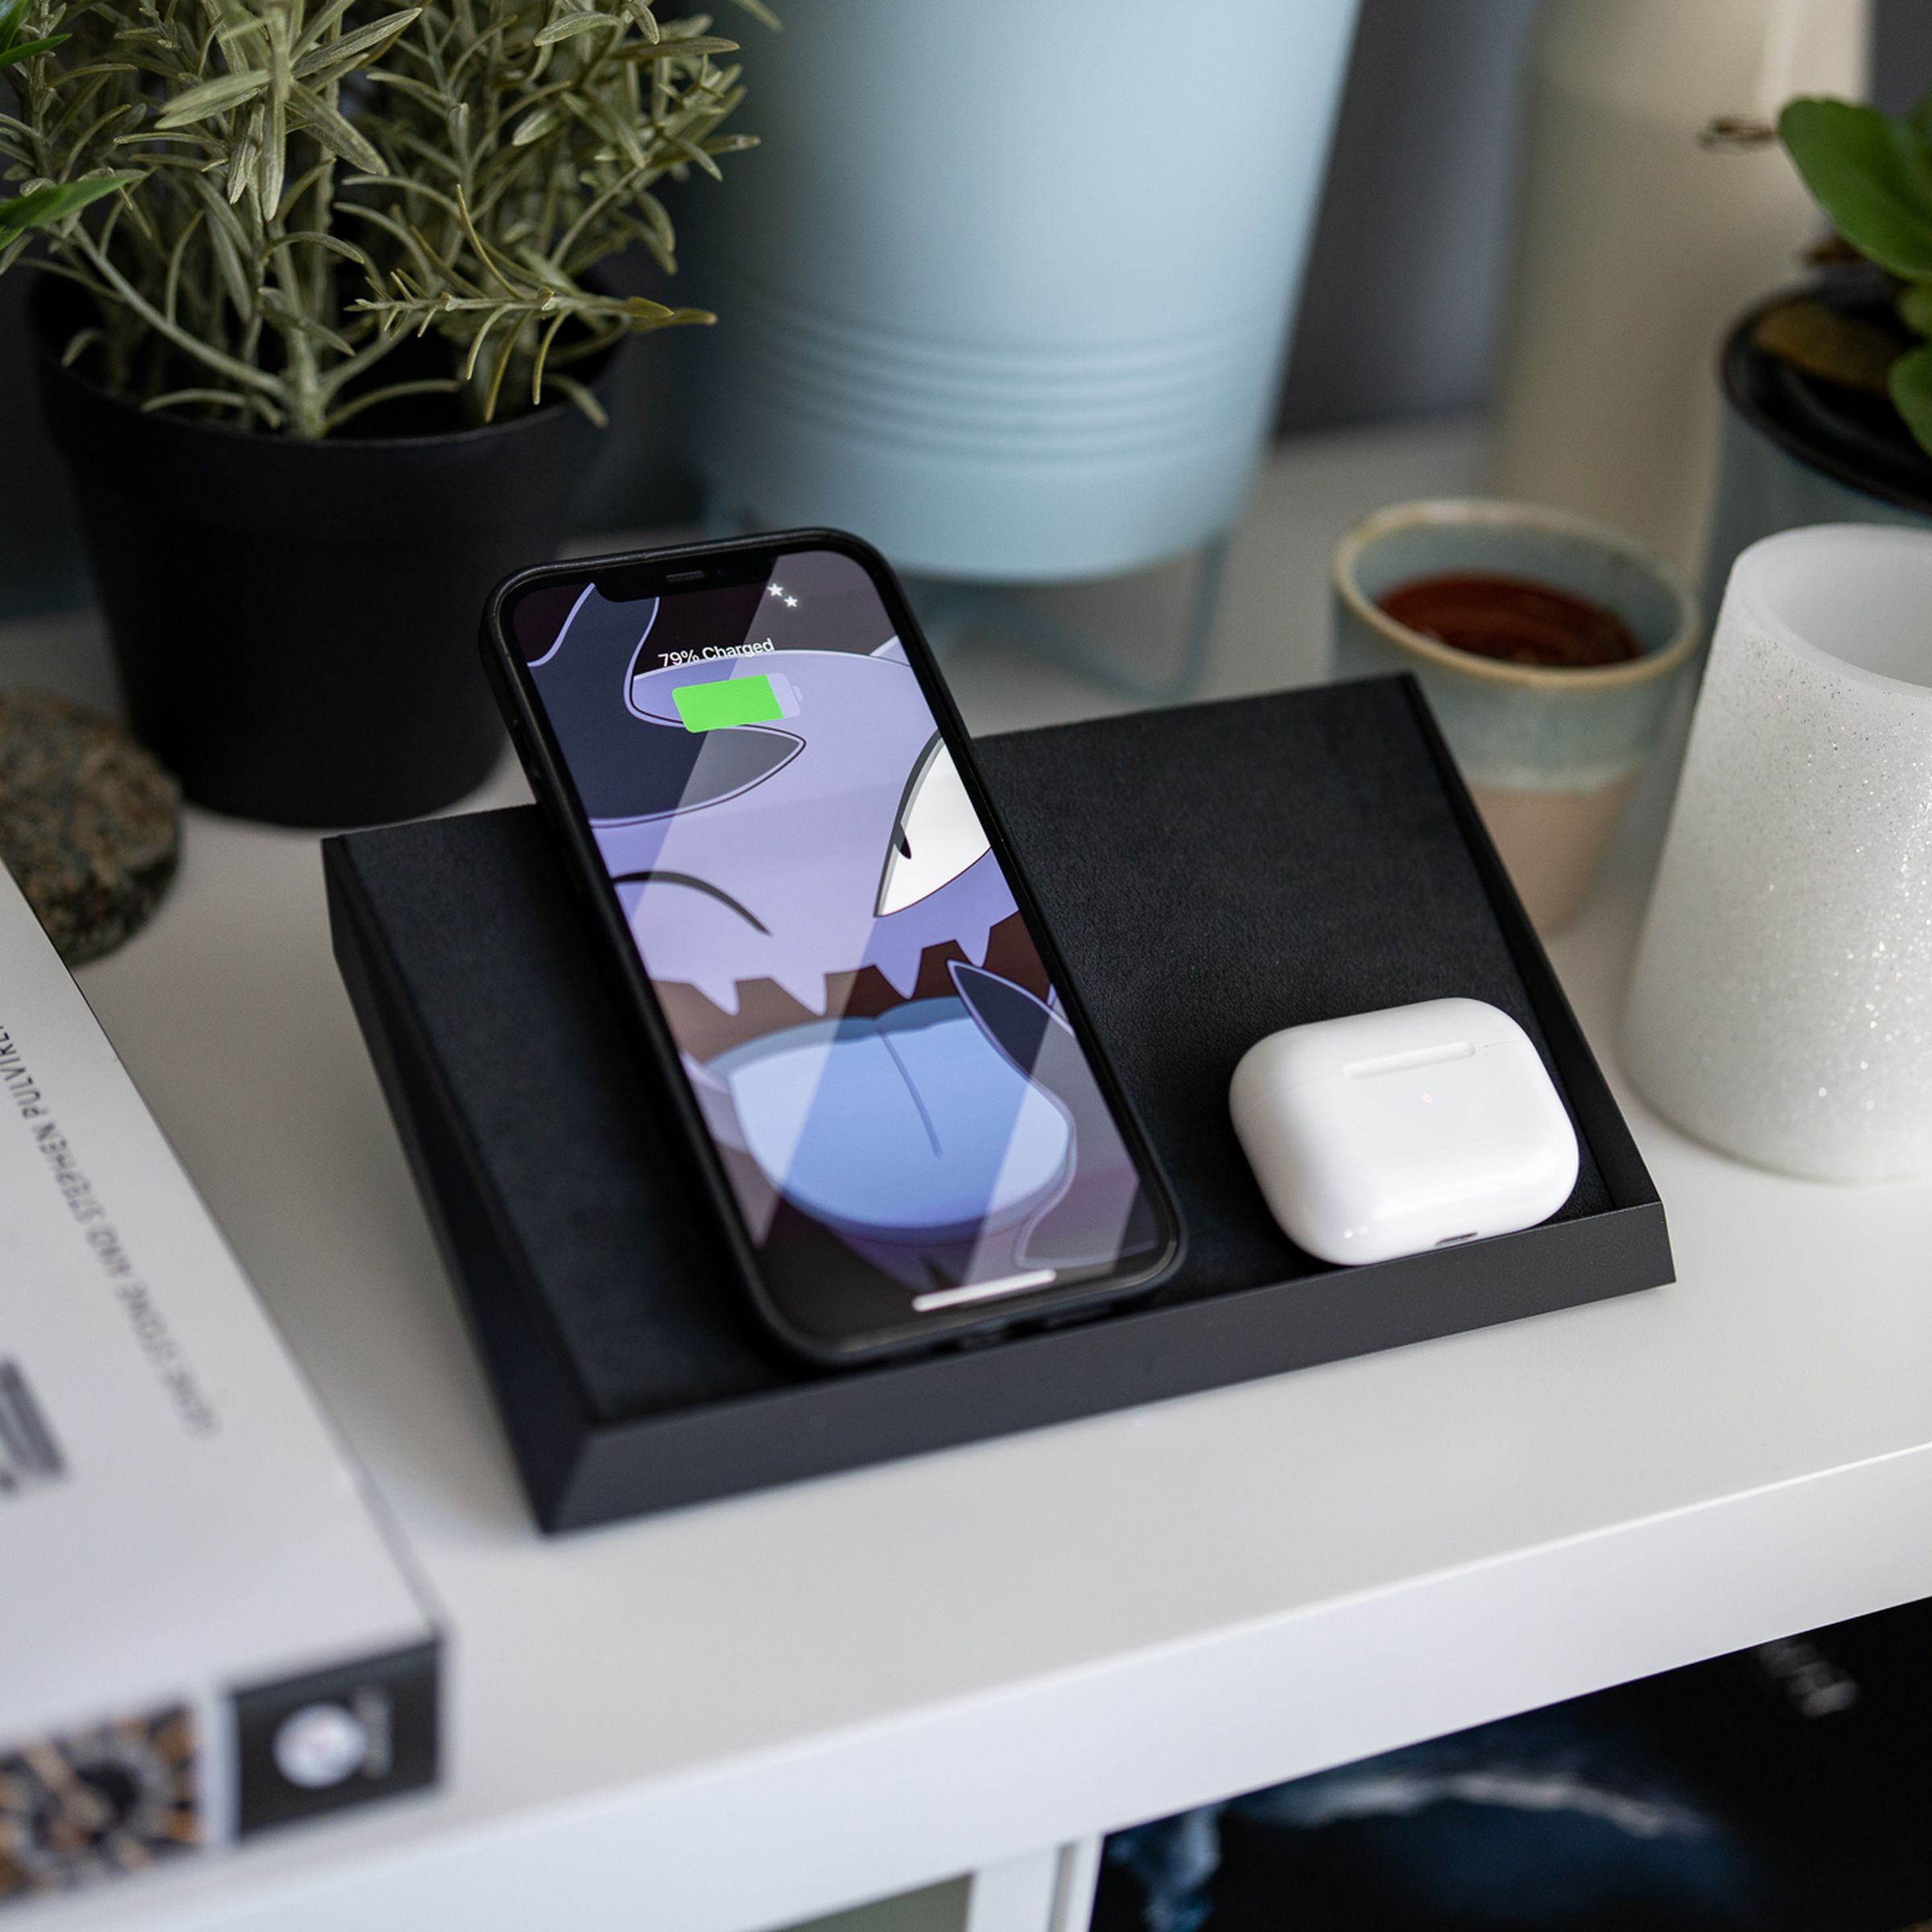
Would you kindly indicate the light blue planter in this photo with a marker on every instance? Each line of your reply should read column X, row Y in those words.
column 1007, row 288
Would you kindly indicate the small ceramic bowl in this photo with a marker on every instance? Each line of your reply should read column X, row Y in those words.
column 1551, row 755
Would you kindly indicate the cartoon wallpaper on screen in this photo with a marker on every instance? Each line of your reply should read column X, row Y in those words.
column 869, row 1029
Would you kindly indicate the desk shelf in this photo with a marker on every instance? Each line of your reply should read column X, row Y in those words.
column 740, row 1715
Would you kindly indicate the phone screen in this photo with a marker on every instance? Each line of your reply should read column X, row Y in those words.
column 908, row 1121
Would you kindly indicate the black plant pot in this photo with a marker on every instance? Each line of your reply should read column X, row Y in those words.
column 1860, row 440
column 296, row 622
column 1797, row 450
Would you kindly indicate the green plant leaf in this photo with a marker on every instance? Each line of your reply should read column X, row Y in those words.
column 25, row 50
column 227, row 241
column 214, row 97
column 1867, row 173
column 333, row 59
column 318, row 26
column 335, row 130
column 1918, row 118
column 13, row 15
column 536, row 124
column 334, row 243
column 583, row 398
column 1915, row 307
column 687, row 49
column 1911, row 393
column 224, row 398
column 53, row 201
column 485, row 156
column 567, row 26
column 420, row 92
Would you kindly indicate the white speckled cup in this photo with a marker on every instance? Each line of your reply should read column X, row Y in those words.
column 1781, row 1008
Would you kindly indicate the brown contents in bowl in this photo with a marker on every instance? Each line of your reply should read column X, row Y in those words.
column 1515, row 619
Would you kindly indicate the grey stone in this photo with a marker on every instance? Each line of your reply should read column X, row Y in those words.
column 90, row 825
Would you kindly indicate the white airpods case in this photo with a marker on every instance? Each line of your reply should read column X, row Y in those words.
column 1389, row 1132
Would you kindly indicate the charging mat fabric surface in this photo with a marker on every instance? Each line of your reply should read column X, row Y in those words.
column 1212, row 873
column 1283, row 860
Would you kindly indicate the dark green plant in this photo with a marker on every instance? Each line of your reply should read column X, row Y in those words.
column 267, row 199
column 1871, row 174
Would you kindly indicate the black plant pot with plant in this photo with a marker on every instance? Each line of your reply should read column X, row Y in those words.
column 322, row 346
column 296, row 621
column 1828, row 388
column 1808, row 371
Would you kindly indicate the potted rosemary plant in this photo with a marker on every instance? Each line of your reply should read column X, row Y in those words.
column 1828, row 387
column 321, row 343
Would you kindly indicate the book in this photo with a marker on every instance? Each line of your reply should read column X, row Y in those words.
column 206, row 1629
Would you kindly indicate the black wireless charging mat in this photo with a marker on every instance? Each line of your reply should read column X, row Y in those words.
column 1212, row 873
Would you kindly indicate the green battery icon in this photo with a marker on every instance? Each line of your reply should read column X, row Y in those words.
column 755, row 700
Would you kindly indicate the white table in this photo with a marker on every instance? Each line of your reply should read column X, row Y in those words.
column 745, row 1714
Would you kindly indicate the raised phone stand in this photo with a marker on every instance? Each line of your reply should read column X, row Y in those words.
column 1212, row 873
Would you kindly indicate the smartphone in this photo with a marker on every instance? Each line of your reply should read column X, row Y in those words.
column 769, row 804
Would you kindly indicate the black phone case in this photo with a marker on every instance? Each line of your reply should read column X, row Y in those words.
column 569, row 824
